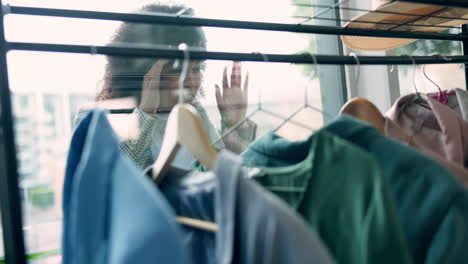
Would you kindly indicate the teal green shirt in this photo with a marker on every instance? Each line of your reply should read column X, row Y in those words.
column 338, row 189
column 432, row 204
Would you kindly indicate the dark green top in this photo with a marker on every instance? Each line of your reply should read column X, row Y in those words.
column 338, row 189
column 432, row 204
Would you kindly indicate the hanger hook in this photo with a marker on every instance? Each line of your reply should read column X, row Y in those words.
column 414, row 73
column 441, row 97
column 359, row 67
column 443, row 57
column 428, row 78
column 183, row 74
column 444, row 98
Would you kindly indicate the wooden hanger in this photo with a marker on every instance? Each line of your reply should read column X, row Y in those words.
column 365, row 110
column 185, row 129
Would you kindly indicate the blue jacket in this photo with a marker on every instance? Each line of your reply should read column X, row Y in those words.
column 112, row 213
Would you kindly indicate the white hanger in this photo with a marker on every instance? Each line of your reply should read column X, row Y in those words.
column 184, row 129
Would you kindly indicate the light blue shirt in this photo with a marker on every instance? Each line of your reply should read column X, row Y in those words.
column 112, row 213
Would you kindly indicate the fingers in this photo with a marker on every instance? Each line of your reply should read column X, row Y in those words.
column 236, row 74
column 225, row 80
column 155, row 70
column 246, row 86
column 150, row 90
column 152, row 77
column 219, row 97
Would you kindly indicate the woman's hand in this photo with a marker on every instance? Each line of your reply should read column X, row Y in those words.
column 150, row 99
column 232, row 103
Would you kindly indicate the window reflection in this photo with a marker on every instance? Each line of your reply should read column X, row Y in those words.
column 59, row 87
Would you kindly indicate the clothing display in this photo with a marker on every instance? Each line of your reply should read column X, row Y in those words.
column 338, row 189
column 182, row 168
column 433, row 207
column 194, row 162
column 254, row 226
column 111, row 212
column 347, row 194
column 109, row 202
column 435, row 126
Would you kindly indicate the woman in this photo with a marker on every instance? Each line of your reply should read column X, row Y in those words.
column 154, row 83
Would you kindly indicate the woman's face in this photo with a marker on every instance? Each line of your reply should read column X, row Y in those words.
column 169, row 83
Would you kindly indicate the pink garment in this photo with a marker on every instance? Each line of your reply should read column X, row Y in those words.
column 435, row 130
column 394, row 131
column 436, row 127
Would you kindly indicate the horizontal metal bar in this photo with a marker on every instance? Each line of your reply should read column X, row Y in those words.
column 208, row 22
column 366, row 10
column 132, row 110
column 447, row 3
column 380, row 23
column 171, row 53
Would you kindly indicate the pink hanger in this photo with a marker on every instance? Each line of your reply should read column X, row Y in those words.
column 437, row 96
column 441, row 96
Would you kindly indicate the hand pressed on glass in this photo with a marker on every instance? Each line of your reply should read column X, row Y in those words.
column 232, row 103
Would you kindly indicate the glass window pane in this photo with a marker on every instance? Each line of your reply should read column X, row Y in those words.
column 53, row 91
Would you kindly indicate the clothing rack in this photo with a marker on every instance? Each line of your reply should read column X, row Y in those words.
column 173, row 53
column 9, row 193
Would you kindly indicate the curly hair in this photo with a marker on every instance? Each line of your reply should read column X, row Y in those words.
column 123, row 76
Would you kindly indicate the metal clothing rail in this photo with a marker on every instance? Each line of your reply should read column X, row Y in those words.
column 448, row 3
column 172, row 53
column 445, row 3
column 208, row 22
